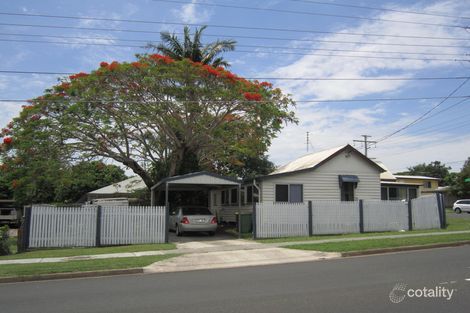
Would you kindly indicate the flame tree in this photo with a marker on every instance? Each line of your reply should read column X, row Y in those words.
column 157, row 116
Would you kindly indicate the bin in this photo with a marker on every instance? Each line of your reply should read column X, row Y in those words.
column 246, row 224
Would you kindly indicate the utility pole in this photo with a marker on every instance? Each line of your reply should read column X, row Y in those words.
column 366, row 143
column 308, row 140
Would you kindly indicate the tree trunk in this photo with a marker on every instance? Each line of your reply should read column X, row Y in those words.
column 136, row 168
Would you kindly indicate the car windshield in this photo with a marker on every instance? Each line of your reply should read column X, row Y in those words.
column 196, row 211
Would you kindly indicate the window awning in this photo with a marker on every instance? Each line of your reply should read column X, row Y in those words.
column 348, row 179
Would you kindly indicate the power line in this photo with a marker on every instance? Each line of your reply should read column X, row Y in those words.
column 256, row 37
column 226, row 26
column 248, row 51
column 380, row 9
column 238, row 45
column 297, row 101
column 278, row 78
column 425, row 113
column 308, row 13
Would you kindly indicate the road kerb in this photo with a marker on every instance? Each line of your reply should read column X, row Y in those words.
column 16, row 279
column 405, row 248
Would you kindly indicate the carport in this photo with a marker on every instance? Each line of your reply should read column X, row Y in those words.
column 198, row 181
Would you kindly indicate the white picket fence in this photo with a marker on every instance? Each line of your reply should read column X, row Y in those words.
column 132, row 225
column 385, row 215
column 335, row 217
column 281, row 219
column 338, row 217
column 77, row 226
column 62, row 227
column 425, row 212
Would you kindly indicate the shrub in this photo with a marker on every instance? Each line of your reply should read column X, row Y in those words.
column 4, row 243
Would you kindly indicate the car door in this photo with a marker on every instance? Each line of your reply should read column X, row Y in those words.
column 466, row 205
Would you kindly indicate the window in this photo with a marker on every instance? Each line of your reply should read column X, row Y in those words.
column 296, row 193
column 383, row 193
column 282, row 193
column 225, row 195
column 347, row 192
column 427, row 184
column 234, row 196
column 289, row 193
column 393, row 193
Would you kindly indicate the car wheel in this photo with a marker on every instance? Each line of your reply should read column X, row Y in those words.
column 212, row 233
column 458, row 210
column 178, row 231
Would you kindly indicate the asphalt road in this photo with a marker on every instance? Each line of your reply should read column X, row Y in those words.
column 360, row 284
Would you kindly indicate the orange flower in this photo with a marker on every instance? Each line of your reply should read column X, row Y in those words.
column 7, row 140
column 113, row 66
column 78, row 75
column 252, row 96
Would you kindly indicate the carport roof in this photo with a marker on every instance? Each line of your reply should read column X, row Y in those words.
column 199, row 178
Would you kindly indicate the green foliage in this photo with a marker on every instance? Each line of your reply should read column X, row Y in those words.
column 157, row 116
column 434, row 169
column 4, row 242
column 85, row 177
column 460, row 187
column 193, row 49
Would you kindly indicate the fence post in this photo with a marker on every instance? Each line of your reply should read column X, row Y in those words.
column 441, row 210
column 310, row 218
column 254, row 220
column 410, row 215
column 361, row 216
column 26, row 231
column 98, row 226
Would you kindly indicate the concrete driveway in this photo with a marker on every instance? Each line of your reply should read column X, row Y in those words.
column 202, row 236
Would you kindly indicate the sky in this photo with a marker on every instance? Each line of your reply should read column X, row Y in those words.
column 284, row 39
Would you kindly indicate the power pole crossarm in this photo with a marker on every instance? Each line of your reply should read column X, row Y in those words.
column 366, row 143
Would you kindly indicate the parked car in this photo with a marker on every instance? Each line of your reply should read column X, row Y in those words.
column 461, row 206
column 192, row 219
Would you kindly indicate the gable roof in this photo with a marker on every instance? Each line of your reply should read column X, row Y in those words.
column 126, row 186
column 314, row 160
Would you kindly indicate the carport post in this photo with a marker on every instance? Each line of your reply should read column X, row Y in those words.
column 239, row 212
column 167, row 214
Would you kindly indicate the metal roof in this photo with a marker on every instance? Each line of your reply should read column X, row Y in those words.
column 126, row 186
column 415, row 177
column 199, row 178
column 314, row 160
column 387, row 175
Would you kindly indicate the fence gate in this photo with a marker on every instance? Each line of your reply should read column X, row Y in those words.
column 87, row 226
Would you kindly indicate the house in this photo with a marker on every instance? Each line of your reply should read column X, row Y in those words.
column 342, row 173
column 393, row 189
column 124, row 190
column 427, row 184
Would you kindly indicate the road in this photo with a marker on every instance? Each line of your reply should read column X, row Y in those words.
column 360, row 284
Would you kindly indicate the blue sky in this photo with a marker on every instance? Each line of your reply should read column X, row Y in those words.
column 443, row 136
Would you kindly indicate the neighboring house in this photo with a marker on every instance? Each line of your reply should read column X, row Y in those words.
column 428, row 184
column 124, row 189
column 393, row 189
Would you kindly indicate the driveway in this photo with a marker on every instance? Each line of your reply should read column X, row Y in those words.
column 463, row 215
column 201, row 236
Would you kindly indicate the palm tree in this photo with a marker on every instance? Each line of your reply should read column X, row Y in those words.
column 193, row 49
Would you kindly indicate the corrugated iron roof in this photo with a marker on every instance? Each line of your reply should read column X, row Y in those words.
column 126, row 186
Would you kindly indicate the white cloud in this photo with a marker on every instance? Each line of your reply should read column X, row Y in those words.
column 191, row 13
column 330, row 126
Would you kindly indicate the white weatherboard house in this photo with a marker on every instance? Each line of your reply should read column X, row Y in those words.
column 341, row 173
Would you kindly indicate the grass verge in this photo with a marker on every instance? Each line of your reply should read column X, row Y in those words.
column 363, row 245
column 10, row 270
column 453, row 224
column 64, row 252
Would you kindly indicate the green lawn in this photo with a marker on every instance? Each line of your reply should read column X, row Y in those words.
column 362, row 245
column 453, row 224
column 79, row 266
column 63, row 252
